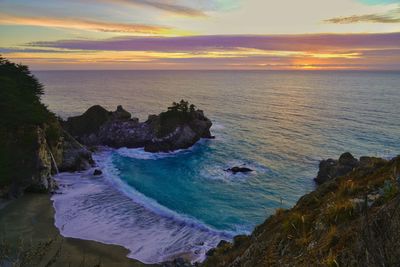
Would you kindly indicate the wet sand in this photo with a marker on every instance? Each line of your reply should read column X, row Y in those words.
column 30, row 220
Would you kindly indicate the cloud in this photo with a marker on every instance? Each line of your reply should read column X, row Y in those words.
column 388, row 17
column 379, row 2
column 303, row 51
column 164, row 6
column 301, row 42
column 82, row 24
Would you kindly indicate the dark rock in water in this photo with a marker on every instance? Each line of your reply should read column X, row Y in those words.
column 237, row 169
column 97, row 172
column 168, row 131
column 330, row 168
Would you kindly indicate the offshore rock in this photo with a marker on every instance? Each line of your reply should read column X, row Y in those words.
column 168, row 131
column 237, row 169
column 97, row 172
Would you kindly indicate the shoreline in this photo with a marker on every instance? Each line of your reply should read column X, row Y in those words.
column 34, row 228
column 102, row 157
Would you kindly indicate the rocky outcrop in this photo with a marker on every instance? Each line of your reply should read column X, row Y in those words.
column 76, row 157
column 331, row 168
column 168, row 131
column 41, row 180
column 237, row 169
column 62, row 154
column 50, row 151
column 352, row 220
column 97, row 172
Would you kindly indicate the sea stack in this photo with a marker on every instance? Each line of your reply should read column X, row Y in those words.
column 180, row 127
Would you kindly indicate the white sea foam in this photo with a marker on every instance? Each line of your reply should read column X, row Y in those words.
column 139, row 153
column 88, row 207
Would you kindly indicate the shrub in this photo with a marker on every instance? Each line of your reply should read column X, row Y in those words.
column 177, row 114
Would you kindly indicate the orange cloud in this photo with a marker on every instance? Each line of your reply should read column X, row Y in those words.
column 81, row 24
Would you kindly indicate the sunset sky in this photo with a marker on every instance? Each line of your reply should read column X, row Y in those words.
column 201, row 34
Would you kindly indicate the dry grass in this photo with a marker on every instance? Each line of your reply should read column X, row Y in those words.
column 332, row 226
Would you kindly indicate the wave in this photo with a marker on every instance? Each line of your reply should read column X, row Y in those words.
column 87, row 207
column 104, row 160
column 140, row 153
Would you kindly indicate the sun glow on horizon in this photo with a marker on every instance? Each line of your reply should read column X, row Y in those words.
column 211, row 34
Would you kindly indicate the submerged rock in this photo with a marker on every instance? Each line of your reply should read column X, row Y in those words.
column 168, row 131
column 237, row 169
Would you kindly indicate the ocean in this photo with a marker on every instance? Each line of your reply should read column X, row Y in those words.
column 279, row 123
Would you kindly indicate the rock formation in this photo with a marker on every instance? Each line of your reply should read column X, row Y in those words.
column 237, row 169
column 33, row 146
column 331, row 168
column 168, row 131
column 75, row 157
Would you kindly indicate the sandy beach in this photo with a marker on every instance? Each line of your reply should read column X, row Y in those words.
column 29, row 222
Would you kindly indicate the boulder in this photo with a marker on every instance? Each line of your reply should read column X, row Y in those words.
column 330, row 169
column 97, row 172
column 237, row 169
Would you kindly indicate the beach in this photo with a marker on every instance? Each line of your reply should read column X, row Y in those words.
column 29, row 220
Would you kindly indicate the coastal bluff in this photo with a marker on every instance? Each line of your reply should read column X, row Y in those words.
column 180, row 127
column 351, row 219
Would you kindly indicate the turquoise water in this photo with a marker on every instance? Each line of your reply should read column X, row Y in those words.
column 278, row 123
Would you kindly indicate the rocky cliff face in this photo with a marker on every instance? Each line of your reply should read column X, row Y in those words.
column 75, row 156
column 48, row 155
column 32, row 142
column 351, row 219
column 45, row 166
column 165, row 132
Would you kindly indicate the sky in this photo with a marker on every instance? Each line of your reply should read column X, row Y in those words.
column 202, row 34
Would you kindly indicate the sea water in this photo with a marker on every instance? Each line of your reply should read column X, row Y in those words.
column 280, row 124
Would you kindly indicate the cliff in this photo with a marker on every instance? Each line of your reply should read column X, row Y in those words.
column 32, row 143
column 178, row 128
column 351, row 219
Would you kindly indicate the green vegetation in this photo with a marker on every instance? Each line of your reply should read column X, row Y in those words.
column 182, row 107
column 20, row 97
column 177, row 114
column 21, row 113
